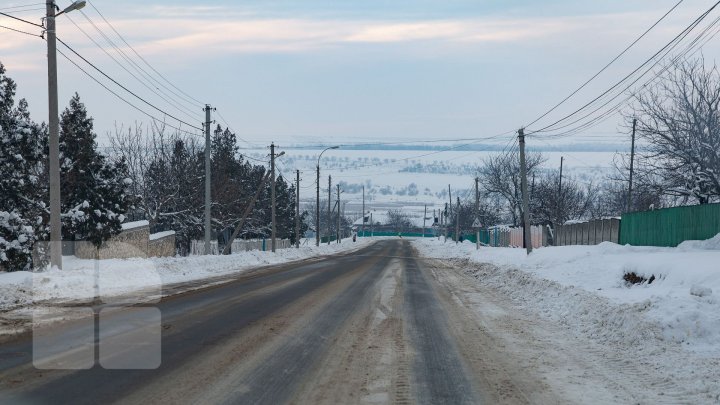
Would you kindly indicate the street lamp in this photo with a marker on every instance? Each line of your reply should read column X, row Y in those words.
column 54, row 129
column 317, row 206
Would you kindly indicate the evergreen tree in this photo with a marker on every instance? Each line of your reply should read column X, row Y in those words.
column 93, row 189
column 21, row 191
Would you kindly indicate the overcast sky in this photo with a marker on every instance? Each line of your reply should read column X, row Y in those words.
column 307, row 71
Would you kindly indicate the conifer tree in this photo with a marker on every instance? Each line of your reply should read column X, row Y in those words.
column 93, row 188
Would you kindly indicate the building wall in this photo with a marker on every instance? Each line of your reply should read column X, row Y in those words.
column 129, row 243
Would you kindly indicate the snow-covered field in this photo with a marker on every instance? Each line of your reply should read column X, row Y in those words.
column 670, row 326
column 388, row 174
column 141, row 280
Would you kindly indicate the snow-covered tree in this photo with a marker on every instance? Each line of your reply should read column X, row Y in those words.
column 679, row 121
column 21, row 190
column 94, row 189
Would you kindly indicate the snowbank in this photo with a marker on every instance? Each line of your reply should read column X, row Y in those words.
column 681, row 304
column 133, row 280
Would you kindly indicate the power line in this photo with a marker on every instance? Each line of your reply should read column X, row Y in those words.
column 122, row 98
column 24, row 6
column 608, row 65
column 614, row 109
column 125, row 88
column 21, row 31
column 21, row 19
column 181, row 109
column 231, row 129
column 670, row 44
column 189, row 97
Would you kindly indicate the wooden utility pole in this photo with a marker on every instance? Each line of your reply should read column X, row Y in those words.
column 632, row 161
column 297, row 209
column 477, row 212
column 329, row 217
column 272, row 196
column 525, row 198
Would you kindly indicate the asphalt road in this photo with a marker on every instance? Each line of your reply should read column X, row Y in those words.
column 365, row 327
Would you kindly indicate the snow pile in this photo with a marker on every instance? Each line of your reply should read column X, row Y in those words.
column 680, row 305
column 141, row 279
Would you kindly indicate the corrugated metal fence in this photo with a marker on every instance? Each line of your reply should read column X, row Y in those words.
column 670, row 226
column 588, row 233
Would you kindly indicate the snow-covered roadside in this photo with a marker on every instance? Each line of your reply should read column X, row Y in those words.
column 138, row 279
column 660, row 327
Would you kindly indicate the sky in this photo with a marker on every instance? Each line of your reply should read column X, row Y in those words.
column 330, row 71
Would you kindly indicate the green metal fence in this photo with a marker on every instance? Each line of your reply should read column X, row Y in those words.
column 670, row 226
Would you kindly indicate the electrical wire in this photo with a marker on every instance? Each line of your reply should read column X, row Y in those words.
column 189, row 97
column 123, row 99
column 21, row 19
column 21, row 31
column 125, row 88
column 607, row 114
column 670, row 44
column 24, row 6
column 231, row 129
column 181, row 109
column 608, row 65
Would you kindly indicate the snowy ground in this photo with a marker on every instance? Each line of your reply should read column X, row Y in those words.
column 139, row 280
column 669, row 328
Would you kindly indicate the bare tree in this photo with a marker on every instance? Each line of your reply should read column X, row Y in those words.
column 678, row 119
column 399, row 220
column 500, row 176
column 549, row 203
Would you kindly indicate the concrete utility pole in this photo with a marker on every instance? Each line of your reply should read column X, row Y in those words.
column 560, row 199
column 337, row 237
column 272, row 196
column 457, row 221
column 317, row 203
column 477, row 211
column 54, row 141
column 329, row 209
column 632, row 161
column 446, row 216
column 363, row 212
column 208, row 201
column 525, row 198
column 297, row 210
column 424, row 219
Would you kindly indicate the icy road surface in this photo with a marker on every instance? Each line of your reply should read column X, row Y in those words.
column 379, row 325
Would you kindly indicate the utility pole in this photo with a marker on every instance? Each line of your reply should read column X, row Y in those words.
column 329, row 210
column 477, row 211
column 372, row 226
column 560, row 198
column 337, row 237
column 317, row 208
column 363, row 212
column 632, row 161
column 424, row 219
column 448, row 221
column 54, row 141
column 207, row 178
column 457, row 221
column 272, row 196
column 297, row 210
column 446, row 215
column 525, row 198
